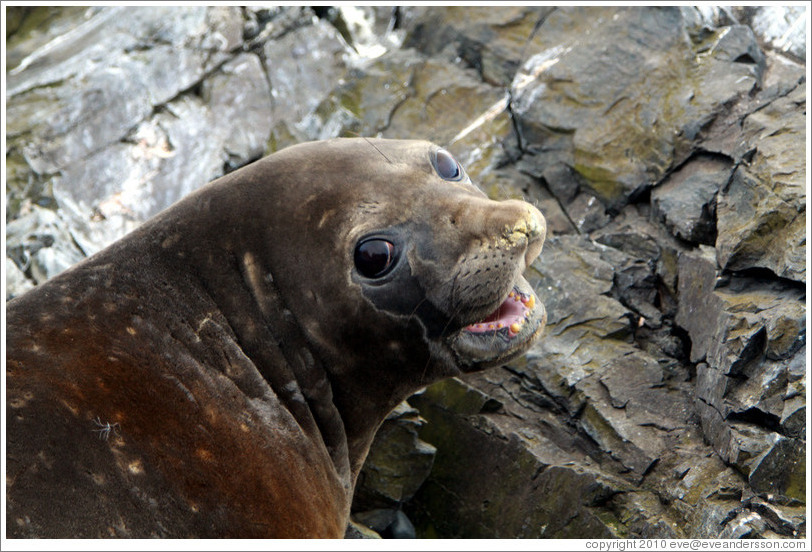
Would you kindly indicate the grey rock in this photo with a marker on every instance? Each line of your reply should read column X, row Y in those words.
column 245, row 110
column 768, row 312
column 105, row 104
column 644, row 515
column 763, row 226
column 30, row 27
column 748, row 444
column 740, row 394
column 698, row 307
column 405, row 95
column 636, row 287
column 782, row 519
column 16, row 282
column 370, row 30
column 793, row 415
column 492, row 43
column 389, row 524
column 357, row 530
column 302, row 67
column 587, row 213
column 737, row 44
column 454, row 504
column 633, row 233
column 782, row 27
column 383, row 84
column 397, row 464
column 686, row 201
column 758, row 228
column 726, row 134
column 745, row 525
column 110, row 128
column 164, row 159
column 781, row 469
column 128, row 60
column 40, row 242
column 439, row 87
column 562, row 181
column 158, row 114
column 580, row 302
column 576, row 92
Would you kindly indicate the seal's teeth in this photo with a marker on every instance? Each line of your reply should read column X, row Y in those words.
column 530, row 301
column 516, row 327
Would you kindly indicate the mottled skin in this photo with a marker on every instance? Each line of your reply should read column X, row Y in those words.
column 221, row 371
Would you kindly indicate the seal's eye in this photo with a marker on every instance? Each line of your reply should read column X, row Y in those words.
column 446, row 166
column 374, row 257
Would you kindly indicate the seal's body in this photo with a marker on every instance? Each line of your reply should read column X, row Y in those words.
column 222, row 370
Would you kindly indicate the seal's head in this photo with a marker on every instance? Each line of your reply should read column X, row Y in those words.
column 398, row 262
column 453, row 261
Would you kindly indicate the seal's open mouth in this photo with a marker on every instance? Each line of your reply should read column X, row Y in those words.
column 506, row 333
column 508, row 319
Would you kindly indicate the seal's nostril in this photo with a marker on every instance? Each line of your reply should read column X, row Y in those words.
column 530, row 228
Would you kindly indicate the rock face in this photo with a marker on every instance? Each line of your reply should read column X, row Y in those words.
column 665, row 146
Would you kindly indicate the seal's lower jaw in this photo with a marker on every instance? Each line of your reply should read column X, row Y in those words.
column 505, row 334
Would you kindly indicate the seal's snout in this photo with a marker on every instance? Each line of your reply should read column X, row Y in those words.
column 525, row 226
column 513, row 318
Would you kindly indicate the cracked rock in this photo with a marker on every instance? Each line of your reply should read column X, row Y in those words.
column 686, row 201
column 492, row 43
column 245, row 110
column 582, row 97
column 666, row 398
column 741, row 394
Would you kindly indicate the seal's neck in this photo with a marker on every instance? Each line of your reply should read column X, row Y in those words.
column 326, row 407
column 362, row 416
column 337, row 407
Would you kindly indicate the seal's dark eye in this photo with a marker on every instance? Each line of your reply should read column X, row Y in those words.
column 374, row 257
column 446, row 166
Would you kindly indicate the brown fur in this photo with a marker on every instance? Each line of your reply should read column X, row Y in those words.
column 221, row 371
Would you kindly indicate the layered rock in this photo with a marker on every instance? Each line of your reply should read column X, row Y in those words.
column 132, row 108
column 665, row 146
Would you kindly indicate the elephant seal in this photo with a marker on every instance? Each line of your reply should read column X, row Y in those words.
column 221, row 371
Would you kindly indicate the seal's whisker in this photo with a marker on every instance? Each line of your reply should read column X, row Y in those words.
column 450, row 320
column 408, row 320
column 378, row 150
column 414, row 311
column 442, row 333
column 425, row 369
